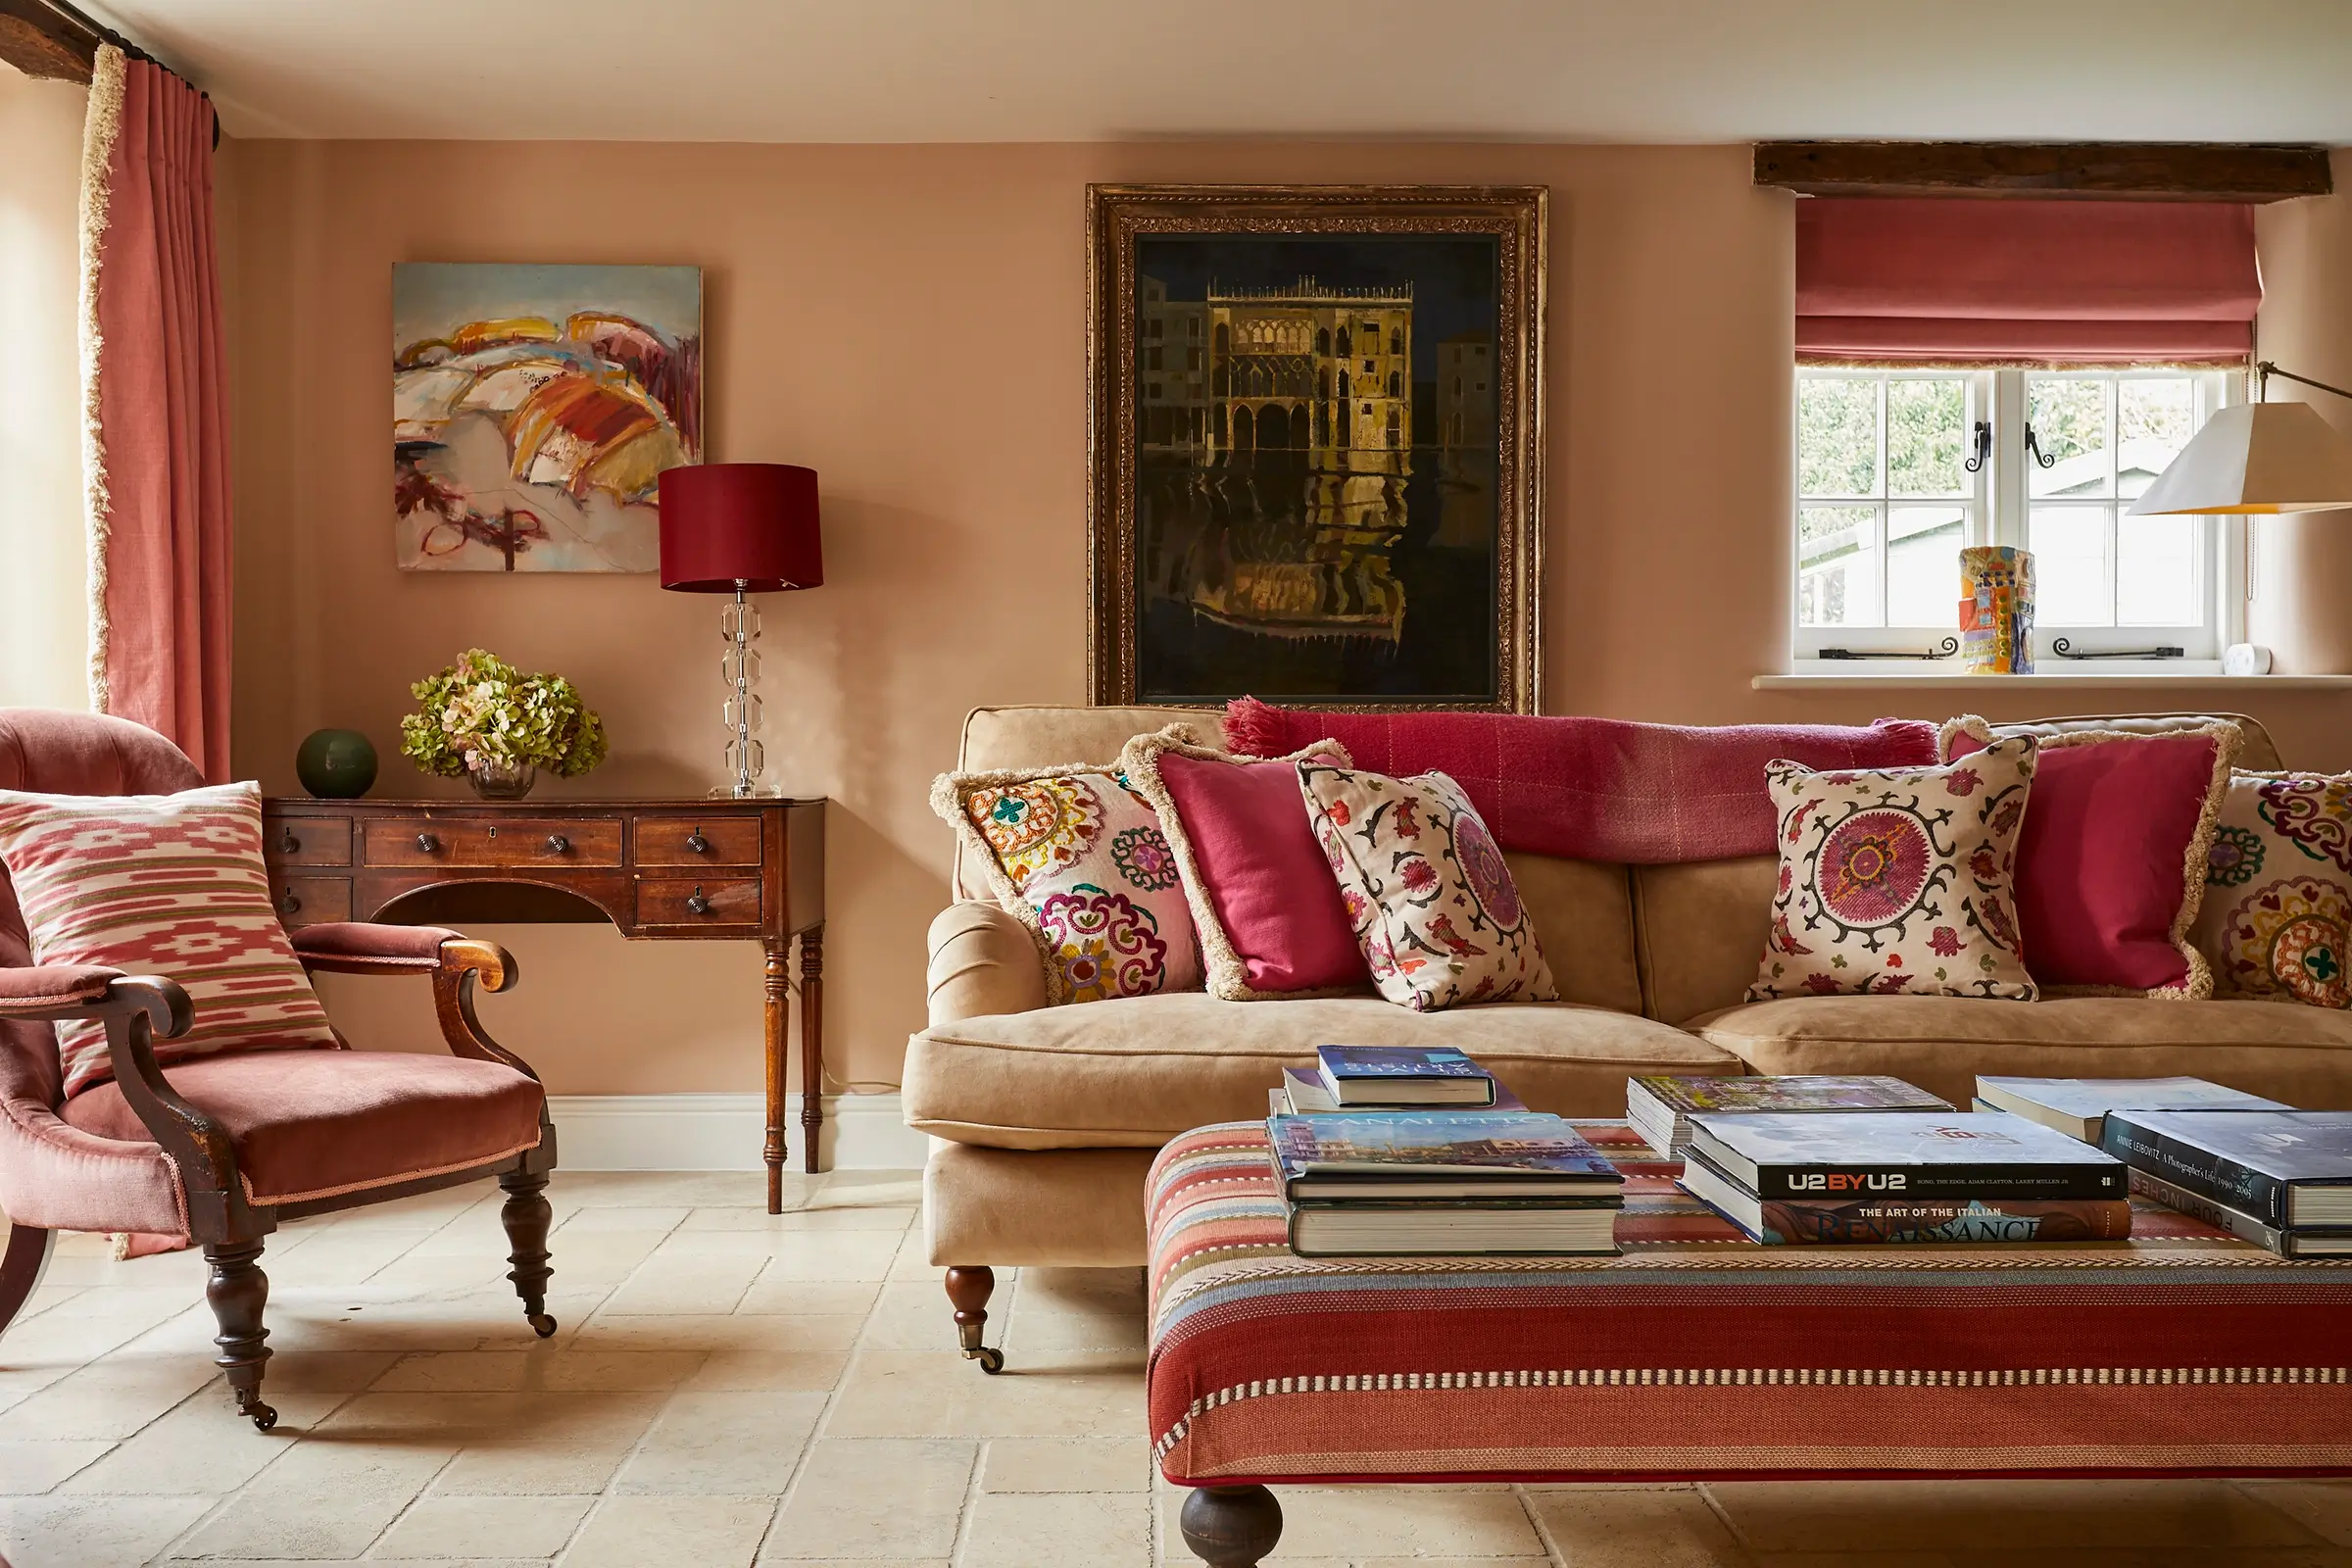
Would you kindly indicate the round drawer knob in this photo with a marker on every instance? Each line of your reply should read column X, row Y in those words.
column 428, row 844
column 288, row 844
column 557, row 844
column 288, row 902
column 696, row 843
column 696, row 904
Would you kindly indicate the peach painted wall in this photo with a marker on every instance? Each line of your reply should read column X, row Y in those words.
column 908, row 321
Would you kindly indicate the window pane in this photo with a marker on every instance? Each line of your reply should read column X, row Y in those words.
column 1837, row 567
column 1926, row 426
column 2070, row 565
column 1923, row 564
column 2069, row 417
column 1838, row 435
column 2156, row 571
column 2153, row 421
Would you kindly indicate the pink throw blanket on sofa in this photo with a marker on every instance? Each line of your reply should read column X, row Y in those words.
column 1595, row 789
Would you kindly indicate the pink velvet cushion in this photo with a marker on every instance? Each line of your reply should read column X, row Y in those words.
column 2111, row 861
column 313, row 1123
column 1263, row 871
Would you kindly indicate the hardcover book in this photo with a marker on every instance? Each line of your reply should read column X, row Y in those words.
column 1660, row 1108
column 1531, row 1228
column 1304, row 1093
column 1907, row 1154
column 1881, row 1222
column 2332, row 1243
column 2287, row 1168
column 1433, row 1156
column 1403, row 1075
column 2078, row 1106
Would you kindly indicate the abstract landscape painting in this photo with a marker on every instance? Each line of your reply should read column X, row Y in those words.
column 533, row 408
column 1316, row 445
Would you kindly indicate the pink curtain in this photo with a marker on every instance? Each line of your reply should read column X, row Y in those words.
column 158, row 406
column 1961, row 279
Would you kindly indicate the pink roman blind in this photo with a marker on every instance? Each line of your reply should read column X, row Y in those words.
column 1961, row 281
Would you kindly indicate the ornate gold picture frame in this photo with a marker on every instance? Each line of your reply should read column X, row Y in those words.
column 1315, row 432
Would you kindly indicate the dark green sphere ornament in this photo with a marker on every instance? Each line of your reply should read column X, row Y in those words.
column 336, row 764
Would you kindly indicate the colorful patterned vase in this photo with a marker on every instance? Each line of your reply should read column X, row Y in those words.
column 1996, row 610
column 336, row 764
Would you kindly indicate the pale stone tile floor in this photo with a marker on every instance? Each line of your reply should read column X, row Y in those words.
column 732, row 1389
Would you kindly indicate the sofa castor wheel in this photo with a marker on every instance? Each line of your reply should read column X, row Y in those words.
column 541, row 1324
column 265, row 1417
column 991, row 1360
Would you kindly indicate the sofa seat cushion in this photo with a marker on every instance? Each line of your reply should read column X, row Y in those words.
column 311, row 1124
column 1135, row 1072
column 2301, row 1056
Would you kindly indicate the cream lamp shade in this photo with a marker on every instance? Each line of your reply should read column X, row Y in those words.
column 2260, row 458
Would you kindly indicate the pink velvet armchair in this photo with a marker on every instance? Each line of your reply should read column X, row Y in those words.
column 221, row 1149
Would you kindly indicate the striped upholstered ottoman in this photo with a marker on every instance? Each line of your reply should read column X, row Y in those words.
column 1700, row 1355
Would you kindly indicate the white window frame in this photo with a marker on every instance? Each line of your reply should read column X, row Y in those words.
column 1999, row 510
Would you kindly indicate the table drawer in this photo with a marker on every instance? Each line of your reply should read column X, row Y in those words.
column 671, row 902
column 302, row 901
column 517, row 841
column 667, row 841
column 308, row 839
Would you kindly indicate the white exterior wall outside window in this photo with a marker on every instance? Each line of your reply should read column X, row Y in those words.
column 1886, row 497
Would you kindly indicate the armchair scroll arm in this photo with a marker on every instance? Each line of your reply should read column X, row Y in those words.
column 456, row 963
column 136, row 1011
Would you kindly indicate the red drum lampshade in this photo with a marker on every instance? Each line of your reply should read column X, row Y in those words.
column 746, row 524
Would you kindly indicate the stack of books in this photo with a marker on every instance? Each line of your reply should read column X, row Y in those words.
column 1403, row 1184
column 1360, row 1077
column 1661, row 1108
column 2280, row 1179
column 1871, row 1178
column 2078, row 1106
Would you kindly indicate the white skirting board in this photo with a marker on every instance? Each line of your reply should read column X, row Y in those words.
column 725, row 1132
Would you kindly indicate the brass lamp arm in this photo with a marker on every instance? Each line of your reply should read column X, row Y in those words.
column 2264, row 369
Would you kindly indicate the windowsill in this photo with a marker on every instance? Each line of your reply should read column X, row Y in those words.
column 1820, row 676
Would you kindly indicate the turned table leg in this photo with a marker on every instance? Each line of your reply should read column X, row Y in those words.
column 1231, row 1527
column 812, row 1043
column 778, row 988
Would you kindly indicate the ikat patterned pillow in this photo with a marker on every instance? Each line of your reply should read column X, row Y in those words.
column 161, row 884
column 1432, row 903
column 2276, row 920
column 1899, row 881
column 1080, row 860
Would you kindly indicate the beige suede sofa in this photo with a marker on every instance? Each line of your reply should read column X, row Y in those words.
column 1045, row 1121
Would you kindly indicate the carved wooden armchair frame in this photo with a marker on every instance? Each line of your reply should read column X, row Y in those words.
column 138, row 1009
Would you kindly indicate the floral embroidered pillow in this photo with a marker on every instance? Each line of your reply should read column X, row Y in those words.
column 1899, row 881
column 1432, row 903
column 1080, row 860
column 2276, row 920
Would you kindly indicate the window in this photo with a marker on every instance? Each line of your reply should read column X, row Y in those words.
column 1886, row 495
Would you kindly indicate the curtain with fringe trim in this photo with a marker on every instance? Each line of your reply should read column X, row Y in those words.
column 155, row 410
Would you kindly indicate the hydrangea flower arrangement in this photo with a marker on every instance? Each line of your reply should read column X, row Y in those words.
column 482, row 712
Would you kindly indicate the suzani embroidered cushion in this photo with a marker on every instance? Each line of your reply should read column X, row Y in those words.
column 2111, row 870
column 1900, row 880
column 1080, row 860
column 161, row 884
column 2276, row 922
column 1271, row 918
column 1434, row 909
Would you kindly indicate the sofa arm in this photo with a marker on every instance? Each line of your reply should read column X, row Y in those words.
column 983, row 963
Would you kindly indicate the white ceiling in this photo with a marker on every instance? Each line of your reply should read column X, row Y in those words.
column 1094, row 69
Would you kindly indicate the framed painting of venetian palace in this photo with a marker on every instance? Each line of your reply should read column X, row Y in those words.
column 1315, row 426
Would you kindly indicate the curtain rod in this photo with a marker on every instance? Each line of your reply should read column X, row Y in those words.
column 76, row 17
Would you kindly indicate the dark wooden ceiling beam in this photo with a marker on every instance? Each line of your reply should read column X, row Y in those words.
column 45, row 43
column 2189, row 172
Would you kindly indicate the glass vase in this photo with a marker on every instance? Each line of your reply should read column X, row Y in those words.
column 502, row 781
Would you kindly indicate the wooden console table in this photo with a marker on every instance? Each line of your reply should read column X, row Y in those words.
column 658, row 869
